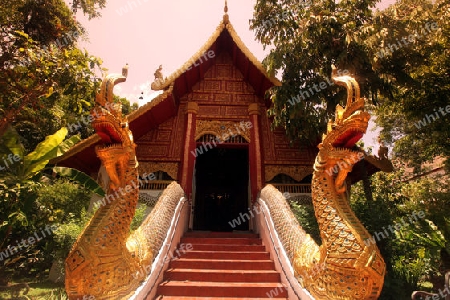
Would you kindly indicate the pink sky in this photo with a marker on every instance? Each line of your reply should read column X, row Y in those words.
column 148, row 33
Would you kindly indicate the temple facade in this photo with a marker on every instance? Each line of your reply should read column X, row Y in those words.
column 209, row 131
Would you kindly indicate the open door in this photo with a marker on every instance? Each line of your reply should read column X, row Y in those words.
column 221, row 190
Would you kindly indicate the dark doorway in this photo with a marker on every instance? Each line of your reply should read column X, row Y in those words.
column 221, row 190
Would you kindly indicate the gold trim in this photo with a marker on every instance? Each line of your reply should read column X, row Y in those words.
column 253, row 109
column 250, row 55
column 296, row 172
column 151, row 167
column 192, row 107
column 145, row 108
column 222, row 128
column 91, row 140
column 186, row 153
column 222, row 26
column 258, row 152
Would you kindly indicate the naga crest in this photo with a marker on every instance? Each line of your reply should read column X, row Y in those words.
column 117, row 140
column 348, row 127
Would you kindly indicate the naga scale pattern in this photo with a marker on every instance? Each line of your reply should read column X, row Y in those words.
column 107, row 260
column 343, row 267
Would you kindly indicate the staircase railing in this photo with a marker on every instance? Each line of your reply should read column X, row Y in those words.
column 164, row 227
column 282, row 233
column 293, row 188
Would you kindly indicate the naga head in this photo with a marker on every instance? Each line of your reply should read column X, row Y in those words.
column 117, row 146
column 337, row 154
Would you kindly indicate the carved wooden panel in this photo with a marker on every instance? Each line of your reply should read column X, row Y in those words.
column 296, row 172
column 147, row 151
column 207, row 110
column 164, row 135
column 179, row 133
column 235, row 86
column 224, row 71
column 277, row 149
column 171, row 168
column 241, row 111
column 162, row 143
column 227, row 98
column 149, row 136
column 200, row 97
column 246, row 98
column 222, row 128
column 211, row 85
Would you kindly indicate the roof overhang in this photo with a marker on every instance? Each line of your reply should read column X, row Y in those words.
column 225, row 39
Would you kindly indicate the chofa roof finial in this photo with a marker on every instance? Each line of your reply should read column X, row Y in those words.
column 225, row 16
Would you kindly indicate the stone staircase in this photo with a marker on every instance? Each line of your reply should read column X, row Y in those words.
column 217, row 265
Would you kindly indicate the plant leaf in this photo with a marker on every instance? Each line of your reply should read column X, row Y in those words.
column 46, row 150
column 80, row 177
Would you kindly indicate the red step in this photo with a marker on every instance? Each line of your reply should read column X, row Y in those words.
column 205, row 298
column 218, row 264
column 212, row 247
column 222, row 275
column 226, row 255
column 220, row 289
column 214, row 265
column 207, row 234
column 222, row 241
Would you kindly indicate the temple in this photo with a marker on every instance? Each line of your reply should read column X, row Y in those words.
column 209, row 131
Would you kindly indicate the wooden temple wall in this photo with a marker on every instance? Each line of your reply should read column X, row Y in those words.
column 224, row 99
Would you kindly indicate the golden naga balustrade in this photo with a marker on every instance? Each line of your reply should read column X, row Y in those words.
column 107, row 261
column 343, row 267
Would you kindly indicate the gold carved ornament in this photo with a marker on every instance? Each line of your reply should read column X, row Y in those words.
column 150, row 167
column 223, row 130
column 106, row 261
column 296, row 172
column 346, row 265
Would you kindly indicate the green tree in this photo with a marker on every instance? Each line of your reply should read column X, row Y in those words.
column 411, row 253
column 412, row 39
column 308, row 38
column 46, row 82
column 29, row 199
column 399, row 56
column 89, row 7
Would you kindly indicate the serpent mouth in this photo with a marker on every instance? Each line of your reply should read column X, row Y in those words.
column 108, row 128
column 348, row 132
column 108, row 133
column 349, row 138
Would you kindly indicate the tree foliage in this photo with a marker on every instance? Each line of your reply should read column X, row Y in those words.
column 405, row 84
column 46, row 82
column 308, row 38
column 89, row 7
column 414, row 120
column 31, row 199
column 412, row 253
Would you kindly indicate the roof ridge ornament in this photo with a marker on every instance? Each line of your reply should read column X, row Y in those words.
column 159, row 82
column 226, row 18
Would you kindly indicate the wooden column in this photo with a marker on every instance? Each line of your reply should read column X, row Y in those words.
column 255, row 151
column 187, row 170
